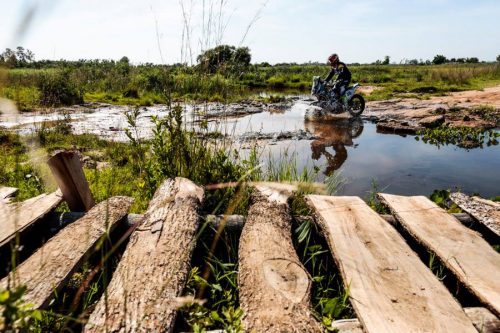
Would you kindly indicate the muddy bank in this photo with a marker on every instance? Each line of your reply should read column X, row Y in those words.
column 476, row 109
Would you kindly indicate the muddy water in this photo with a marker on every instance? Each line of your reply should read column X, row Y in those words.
column 353, row 149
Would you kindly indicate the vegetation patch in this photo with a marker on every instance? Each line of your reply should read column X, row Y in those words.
column 464, row 137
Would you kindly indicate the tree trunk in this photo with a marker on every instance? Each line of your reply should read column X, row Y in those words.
column 154, row 268
column 274, row 286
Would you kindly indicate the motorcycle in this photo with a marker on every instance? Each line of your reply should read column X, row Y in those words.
column 349, row 101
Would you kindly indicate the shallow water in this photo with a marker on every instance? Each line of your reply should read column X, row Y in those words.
column 400, row 165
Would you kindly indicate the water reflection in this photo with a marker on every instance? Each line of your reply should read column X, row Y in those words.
column 336, row 134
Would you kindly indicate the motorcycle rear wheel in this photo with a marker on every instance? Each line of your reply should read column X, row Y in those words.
column 356, row 105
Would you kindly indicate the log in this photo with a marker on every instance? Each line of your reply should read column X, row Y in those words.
column 390, row 288
column 68, row 172
column 17, row 217
column 57, row 221
column 154, row 268
column 464, row 252
column 49, row 268
column 274, row 286
column 233, row 223
column 6, row 193
column 484, row 211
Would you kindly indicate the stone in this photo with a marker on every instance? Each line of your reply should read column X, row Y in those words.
column 432, row 121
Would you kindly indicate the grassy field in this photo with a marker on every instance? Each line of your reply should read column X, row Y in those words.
column 121, row 83
column 136, row 169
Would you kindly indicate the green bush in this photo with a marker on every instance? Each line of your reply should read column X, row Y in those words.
column 57, row 88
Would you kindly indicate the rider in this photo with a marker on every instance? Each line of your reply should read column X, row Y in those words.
column 343, row 74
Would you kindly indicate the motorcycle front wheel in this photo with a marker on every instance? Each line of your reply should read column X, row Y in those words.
column 356, row 105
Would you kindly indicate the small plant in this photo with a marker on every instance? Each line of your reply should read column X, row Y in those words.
column 373, row 201
column 436, row 267
column 442, row 199
column 220, row 309
column 465, row 137
column 330, row 300
column 16, row 314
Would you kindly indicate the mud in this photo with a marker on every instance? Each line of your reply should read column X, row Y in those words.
column 405, row 116
column 277, row 136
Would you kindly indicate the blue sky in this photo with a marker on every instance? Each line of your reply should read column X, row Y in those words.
column 280, row 30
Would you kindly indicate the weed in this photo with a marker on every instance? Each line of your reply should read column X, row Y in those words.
column 16, row 314
column 436, row 267
column 442, row 199
column 373, row 201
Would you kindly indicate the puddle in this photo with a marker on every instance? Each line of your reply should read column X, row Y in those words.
column 401, row 165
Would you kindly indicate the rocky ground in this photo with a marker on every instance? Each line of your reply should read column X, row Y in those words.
column 477, row 109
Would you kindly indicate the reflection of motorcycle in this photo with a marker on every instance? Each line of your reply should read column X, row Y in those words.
column 337, row 135
column 327, row 99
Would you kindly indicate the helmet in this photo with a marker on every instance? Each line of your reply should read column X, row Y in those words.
column 333, row 59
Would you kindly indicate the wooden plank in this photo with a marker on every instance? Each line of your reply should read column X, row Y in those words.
column 340, row 326
column 7, row 192
column 484, row 321
column 68, row 172
column 51, row 266
column 390, row 289
column 154, row 268
column 17, row 217
column 274, row 287
column 485, row 211
column 468, row 256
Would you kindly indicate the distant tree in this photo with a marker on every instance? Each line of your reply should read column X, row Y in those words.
column 387, row 60
column 225, row 58
column 413, row 62
column 472, row 60
column 498, row 58
column 18, row 58
column 439, row 59
column 125, row 59
column 242, row 56
column 123, row 65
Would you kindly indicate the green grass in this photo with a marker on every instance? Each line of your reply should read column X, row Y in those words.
column 145, row 85
column 465, row 137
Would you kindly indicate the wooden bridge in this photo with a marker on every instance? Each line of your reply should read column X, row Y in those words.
column 390, row 288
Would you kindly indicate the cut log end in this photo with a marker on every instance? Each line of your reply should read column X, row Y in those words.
column 288, row 277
